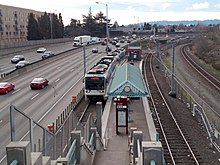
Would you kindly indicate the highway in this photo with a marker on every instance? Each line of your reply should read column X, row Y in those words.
column 31, row 55
column 65, row 79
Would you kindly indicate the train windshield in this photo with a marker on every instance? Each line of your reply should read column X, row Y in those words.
column 94, row 83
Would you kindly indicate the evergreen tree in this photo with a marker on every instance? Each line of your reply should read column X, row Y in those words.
column 61, row 27
column 100, row 24
column 45, row 26
column 89, row 23
column 147, row 26
column 33, row 28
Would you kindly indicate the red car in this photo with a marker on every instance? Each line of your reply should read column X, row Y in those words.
column 38, row 83
column 6, row 87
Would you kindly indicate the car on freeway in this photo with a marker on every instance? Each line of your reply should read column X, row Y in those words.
column 21, row 64
column 41, row 50
column 108, row 49
column 95, row 50
column 103, row 43
column 117, row 45
column 17, row 58
column 38, row 83
column 47, row 54
column 114, row 42
column 6, row 87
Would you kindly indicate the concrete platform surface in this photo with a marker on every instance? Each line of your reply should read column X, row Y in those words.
column 117, row 152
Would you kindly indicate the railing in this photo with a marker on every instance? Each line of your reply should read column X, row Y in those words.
column 71, row 156
column 14, row 162
column 106, row 138
column 46, row 141
column 45, row 135
column 91, row 141
column 138, row 158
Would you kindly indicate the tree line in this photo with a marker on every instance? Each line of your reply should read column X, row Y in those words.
column 94, row 25
column 49, row 25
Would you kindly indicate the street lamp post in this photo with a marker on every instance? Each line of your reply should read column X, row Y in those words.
column 138, row 27
column 51, row 24
column 107, row 32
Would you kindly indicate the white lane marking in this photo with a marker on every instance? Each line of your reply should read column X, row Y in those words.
column 4, row 108
column 72, row 70
column 16, row 91
column 55, row 104
column 34, row 96
column 1, row 121
column 57, row 80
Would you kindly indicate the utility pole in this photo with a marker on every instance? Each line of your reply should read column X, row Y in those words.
column 172, row 92
column 107, row 31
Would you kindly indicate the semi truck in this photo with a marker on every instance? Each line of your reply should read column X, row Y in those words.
column 82, row 40
column 95, row 39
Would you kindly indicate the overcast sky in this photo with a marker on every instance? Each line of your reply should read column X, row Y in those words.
column 126, row 11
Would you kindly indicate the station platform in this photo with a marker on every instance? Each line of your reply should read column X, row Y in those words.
column 117, row 149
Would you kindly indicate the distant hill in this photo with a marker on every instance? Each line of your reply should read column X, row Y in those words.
column 194, row 22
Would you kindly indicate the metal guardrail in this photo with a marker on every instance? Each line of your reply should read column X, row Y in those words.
column 139, row 148
column 14, row 162
column 71, row 156
column 45, row 135
column 91, row 141
column 47, row 139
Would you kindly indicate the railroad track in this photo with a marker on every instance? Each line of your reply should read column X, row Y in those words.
column 89, row 108
column 211, row 79
column 177, row 149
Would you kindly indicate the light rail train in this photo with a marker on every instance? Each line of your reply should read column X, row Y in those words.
column 97, row 78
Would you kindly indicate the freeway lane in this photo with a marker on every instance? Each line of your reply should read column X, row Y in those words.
column 62, row 74
column 31, row 55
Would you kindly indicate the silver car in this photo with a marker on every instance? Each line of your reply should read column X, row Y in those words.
column 41, row 50
column 47, row 54
column 17, row 58
column 21, row 64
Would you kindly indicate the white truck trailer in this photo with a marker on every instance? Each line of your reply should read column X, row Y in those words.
column 82, row 40
column 95, row 39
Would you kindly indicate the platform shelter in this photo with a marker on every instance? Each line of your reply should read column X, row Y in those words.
column 127, row 81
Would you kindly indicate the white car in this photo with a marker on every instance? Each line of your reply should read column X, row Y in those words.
column 117, row 45
column 41, row 50
column 21, row 64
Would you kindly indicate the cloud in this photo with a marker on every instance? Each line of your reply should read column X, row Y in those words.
column 217, row 5
column 166, row 5
column 124, row 10
column 197, row 6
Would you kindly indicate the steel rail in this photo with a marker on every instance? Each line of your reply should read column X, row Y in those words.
column 174, row 120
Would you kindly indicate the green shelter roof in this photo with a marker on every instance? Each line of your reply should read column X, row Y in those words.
column 127, row 81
